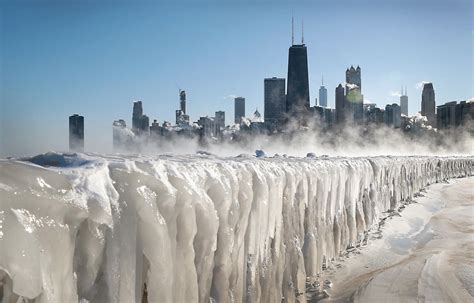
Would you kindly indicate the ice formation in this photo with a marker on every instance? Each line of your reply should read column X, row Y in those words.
column 192, row 228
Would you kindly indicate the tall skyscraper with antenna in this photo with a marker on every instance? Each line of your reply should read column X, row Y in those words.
column 297, row 98
column 323, row 94
column 404, row 102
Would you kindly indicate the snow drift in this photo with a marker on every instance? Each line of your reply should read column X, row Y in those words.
column 191, row 228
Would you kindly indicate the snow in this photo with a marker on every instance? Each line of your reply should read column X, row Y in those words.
column 192, row 227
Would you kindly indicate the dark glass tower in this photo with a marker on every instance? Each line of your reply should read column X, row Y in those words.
column 182, row 101
column 428, row 103
column 274, row 100
column 341, row 105
column 76, row 133
column 297, row 93
column 239, row 109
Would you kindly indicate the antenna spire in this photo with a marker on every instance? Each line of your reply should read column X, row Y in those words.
column 322, row 80
column 302, row 32
column 292, row 31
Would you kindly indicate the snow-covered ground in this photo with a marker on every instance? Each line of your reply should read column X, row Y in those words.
column 425, row 255
column 191, row 228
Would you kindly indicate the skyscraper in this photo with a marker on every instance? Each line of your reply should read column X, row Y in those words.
column 297, row 93
column 404, row 103
column 182, row 101
column 140, row 122
column 428, row 103
column 239, row 109
column 323, row 95
column 274, row 101
column 76, row 133
column 137, row 114
column 354, row 93
column 219, row 122
column 119, row 133
column 341, row 105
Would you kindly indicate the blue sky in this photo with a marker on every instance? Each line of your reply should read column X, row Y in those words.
column 96, row 57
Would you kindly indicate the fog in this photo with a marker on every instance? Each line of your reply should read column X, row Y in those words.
column 351, row 140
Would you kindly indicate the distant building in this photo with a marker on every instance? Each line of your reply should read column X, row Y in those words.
column 374, row 115
column 446, row 116
column 397, row 115
column 341, row 106
column 119, row 134
column 137, row 114
column 274, row 101
column 180, row 115
column 392, row 115
column 404, row 103
column 155, row 128
column 257, row 116
column 207, row 126
column 465, row 113
column 428, row 104
column 239, row 109
column 452, row 114
column 329, row 116
column 140, row 122
column 76, row 133
column 219, row 121
column 323, row 95
column 297, row 93
column 354, row 95
column 182, row 101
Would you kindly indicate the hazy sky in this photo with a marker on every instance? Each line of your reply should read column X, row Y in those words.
column 96, row 57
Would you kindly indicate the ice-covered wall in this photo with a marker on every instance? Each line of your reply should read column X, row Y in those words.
column 191, row 228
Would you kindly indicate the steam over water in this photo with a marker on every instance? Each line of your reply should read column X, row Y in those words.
column 192, row 228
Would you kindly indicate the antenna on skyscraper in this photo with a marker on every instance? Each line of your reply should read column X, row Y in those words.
column 292, row 30
column 302, row 32
column 322, row 80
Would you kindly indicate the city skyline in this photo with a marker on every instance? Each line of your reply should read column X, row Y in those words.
column 158, row 103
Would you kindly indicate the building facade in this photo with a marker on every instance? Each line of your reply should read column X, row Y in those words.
column 297, row 93
column 219, row 122
column 428, row 104
column 76, row 133
column 404, row 103
column 323, row 95
column 239, row 109
column 140, row 122
column 354, row 96
column 341, row 106
column 274, row 101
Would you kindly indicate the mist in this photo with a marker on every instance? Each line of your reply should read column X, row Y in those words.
column 352, row 141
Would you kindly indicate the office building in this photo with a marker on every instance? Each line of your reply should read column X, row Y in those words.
column 341, row 105
column 76, row 133
column 404, row 102
column 274, row 101
column 182, row 101
column 354, row 95
column 239, row 109
column 297, row 92
column 323, row 95
column 219, row 122
column 428, row 103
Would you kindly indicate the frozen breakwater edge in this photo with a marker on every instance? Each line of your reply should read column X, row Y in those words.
column 191, row 228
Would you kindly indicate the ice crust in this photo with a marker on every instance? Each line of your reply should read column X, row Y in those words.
column 195, row 227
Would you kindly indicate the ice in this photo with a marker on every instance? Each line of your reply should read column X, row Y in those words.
column 192, row 228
